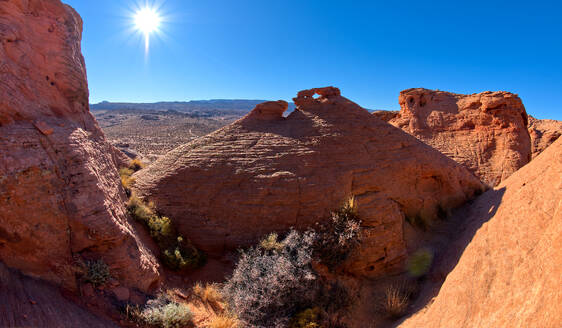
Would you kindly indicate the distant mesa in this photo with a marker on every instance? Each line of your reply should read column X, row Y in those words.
column 266, row 173
column 486, row 132
column 236, row 105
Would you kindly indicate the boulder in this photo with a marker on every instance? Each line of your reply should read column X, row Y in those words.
column 267, row 173
column 486, row 132
column 543, row 133
column 510, row 268
column 61, row 202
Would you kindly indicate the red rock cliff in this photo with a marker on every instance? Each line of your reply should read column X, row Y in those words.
column 486, row 132
column 510, row 273
column 60, row 196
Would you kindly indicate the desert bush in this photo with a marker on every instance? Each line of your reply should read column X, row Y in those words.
column 270, row 243
column 176, row 252
column 268, row 287
column 136, row 165
column 163, row 312
column 309, row 318
column 126, row 179
column 339, row 237
column 396, row 301
column 419, row 262
column 96, row 272
column 208, row 294
column 224, row 320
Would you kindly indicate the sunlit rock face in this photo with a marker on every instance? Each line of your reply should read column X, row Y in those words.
column 510, row 273
column 266, row 173
column 486, row 132
column 60, row 197
column 543, row 134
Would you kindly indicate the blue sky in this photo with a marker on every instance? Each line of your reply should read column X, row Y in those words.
column 371, row 50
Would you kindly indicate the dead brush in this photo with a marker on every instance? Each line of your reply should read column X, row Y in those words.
column 396, row 301
column 209, row 294
column 224, row 320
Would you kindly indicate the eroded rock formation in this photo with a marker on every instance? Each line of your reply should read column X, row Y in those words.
column 486, row 132
column 267, row 173
column 60, row 197
column 510, row 273
column 543, row 133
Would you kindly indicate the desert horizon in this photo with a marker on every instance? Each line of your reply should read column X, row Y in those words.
column 354, row 165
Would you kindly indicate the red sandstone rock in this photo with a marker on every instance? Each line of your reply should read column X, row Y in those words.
column 267, row 173
column 121, row 293
column 27, row 302
column 486, row 132
column 60, row 196
column 510, row 273
column 543, row 133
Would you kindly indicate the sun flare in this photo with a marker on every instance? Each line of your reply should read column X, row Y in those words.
column 147, row 20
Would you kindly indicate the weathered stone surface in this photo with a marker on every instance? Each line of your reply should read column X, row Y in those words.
column 486, row 132
column 60, row 196
column 268, row 173
column 543, row 133
column 510, row 273
column 27, row 302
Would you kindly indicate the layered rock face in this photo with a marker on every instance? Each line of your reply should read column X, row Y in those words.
column 60, row 197
column 510, row 273
column 486, row 132
column 543, row 133
column 266, row 173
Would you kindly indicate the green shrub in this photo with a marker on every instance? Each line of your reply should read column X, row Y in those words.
column 419, row 263
column 96, row 272
column 175, row 252
column 164, row 312
column 270, row 243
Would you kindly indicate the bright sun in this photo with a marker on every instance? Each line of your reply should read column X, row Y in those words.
column 147, row 21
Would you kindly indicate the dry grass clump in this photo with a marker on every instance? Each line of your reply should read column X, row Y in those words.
column 396, row 300
column 208, row 294
column 176, row 252
column 224, row 320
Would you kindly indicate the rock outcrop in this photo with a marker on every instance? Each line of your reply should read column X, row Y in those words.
column 543, row 134
column 510, row 273
column 486, row 132
column 61, row 202
column 266, row 173
column 27, row 302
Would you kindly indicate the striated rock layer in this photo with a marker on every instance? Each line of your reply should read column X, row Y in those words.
column 510, row 273
column 61, row 202
column 268, row 173
column 486, row 132
column 543, row 133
